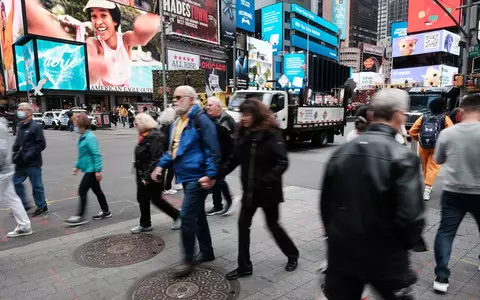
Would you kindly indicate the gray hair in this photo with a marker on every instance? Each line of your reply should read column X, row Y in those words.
column 145, row 121
column 188, row 90
column 26, row 105
column 388, row 101
column 167, row 116
column 215, row 100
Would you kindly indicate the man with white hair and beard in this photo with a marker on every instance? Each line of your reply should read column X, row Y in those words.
column 194, row 153
column 372, row 208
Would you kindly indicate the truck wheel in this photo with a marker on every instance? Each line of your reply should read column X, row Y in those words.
column 320, row 139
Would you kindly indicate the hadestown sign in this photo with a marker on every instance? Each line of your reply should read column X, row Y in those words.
column 182, row 61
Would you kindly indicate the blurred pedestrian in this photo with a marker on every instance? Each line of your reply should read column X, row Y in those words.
column 194, row 154
column 123, row 115
column 261, row 152
column 166, row 119
column 457, row 149
column 426, row 130
column 27, row 156
column 131, row 116
column 361, row 123
column 69, row 115
column 372, row 223
column 90, row 163
column 8, row 197
column 225, row 126
column 150, row 148
column 456, row 115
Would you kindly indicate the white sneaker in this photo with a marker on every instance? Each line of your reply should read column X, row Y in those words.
column 138, row 229
column 427, row 193
column 76, row 221
column 177, row 224
column 441, row 285
column 20, row 231
column 170, row 192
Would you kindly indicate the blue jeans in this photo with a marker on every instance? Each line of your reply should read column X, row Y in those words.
column 454, row 208
column 38, row 191
column 194, row 221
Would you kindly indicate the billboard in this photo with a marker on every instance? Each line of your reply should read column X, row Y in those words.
column 62, row 65
column 399, row 29
column 313, row 47
column 196, row 19
column 260, row 62
column 339, row 16
column 241, row 70
column 313, row 17
column 25, row 60
column 140, row 4
column 120, row 40
column 427, row 76
column 245, row 14
column 427, row 15
column 367, row 79
column 428, row 42
column 313, row 32
column 228, row 15
column 215, row 74
column 12, row 30
column 272, row 25
column 294, row 68
column 372, row 58
column 182, row 61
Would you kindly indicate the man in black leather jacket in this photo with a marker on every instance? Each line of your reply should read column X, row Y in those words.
column 372, row 208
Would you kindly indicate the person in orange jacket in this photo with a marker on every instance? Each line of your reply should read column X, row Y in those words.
column 426, row 130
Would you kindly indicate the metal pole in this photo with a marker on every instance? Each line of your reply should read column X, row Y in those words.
column 235, row 64
column 162, row 41
column 467, row 46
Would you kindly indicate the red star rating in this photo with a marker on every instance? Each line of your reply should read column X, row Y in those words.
column 175, row 57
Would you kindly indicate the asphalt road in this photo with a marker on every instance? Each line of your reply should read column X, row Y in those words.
column 306, row 169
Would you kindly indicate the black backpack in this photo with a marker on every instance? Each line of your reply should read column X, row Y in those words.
column 430, row 129
column 224, row 139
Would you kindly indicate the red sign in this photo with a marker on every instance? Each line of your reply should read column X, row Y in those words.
column 425, row 15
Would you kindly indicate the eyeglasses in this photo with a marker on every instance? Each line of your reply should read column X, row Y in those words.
column 178, row 97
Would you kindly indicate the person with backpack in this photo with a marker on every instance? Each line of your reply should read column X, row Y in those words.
column 225, row 125
column 426, row 130
column 69, row 114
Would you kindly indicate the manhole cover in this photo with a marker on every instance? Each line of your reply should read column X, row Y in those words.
column 118, row 250
column 203, row 283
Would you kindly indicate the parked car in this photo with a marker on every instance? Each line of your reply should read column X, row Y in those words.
column 63, row 118
column 50, row 119
column 37, row 117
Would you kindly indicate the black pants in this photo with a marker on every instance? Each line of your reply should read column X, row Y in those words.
column 89, row 181
column 221, row 187
column 340, row 286
column 280, row 236
column 153, row 192
column 169, row 179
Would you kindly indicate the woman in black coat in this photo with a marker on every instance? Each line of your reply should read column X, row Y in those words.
column 147, row 153
column 261, row 152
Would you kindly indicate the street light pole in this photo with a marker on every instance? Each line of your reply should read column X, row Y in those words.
column 162, row 44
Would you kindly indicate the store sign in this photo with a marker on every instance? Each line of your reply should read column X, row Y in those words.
column 428, row 15
column 428, row 76
column 215, row 74
column 339, row 16
column 272, row 25
column 62, row 65
column 182, row 61
column 196, row 19
column 313, row 17
column 260, row 62
column 313, row 32
column 246, row 15
column 429, row 42
column 294, row 69
column 313, row 47
column 399, row 29
column 26, row 74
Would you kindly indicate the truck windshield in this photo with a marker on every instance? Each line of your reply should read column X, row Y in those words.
column 239, row 97
column 420, row 101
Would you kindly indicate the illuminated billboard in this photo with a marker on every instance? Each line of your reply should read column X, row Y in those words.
column 427, row 76
column 245, row 14
column 339, row 16
column 429, row 42
column 294, row 68
column 313, row 17
column 399, row 29
column 25, row 60
column 427, row 15
column 260, row 62
column 272, row 25
column 122, row 42
column 313, row 32
column 313, row 47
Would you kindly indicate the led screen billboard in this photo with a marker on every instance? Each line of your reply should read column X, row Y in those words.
column 260, row 62
column 427, row 15
column 228, row 16
column 121, row 40
column 245, row 14
column 12, row 30
column 313, row 17
column 427, row 76
column 26, row 67
column 215, row 74
column 294, row 68
column 339, row 16
column 313, row 47
column 429, row 42
column 272, row 25
column 399, row 29
column 313, row 32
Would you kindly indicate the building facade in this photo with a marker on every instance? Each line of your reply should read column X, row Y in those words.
column 390, row 11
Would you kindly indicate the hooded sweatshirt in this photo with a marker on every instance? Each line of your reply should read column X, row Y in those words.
column 457, row 149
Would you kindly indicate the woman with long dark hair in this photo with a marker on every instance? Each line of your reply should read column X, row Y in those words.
column 262, row 155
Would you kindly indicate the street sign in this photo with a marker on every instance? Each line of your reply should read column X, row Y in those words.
column 474, row 52
column 283, row 80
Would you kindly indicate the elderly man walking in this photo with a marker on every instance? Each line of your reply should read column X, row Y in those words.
column 225, row 131
column 193, row 152
column 372, row 223
column 27, row 156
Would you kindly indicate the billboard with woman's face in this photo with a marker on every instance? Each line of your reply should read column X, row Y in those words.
column 120, row 40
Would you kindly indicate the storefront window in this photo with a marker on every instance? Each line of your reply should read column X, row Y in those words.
column 98, row 104
column 60, row 102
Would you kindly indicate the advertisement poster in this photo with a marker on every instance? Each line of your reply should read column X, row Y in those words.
column 313, row 17
column 260, row 62
column 372, row 58
column 314, row 32
column 241, row 70
column 215, row 74
column 140, row 4
column 182, row 61
column 12, row 30
column 294, row 68
column 228, row 14
column 427, row 15
column 339, row 16
column 429, row 42
column 117, row 61
column 428, row 76
column 25, row 58
column 272, row 25
column 367, row 79
column 300, row 42
column 246, row 15
column 399, row 29
column 62, row 65
column 197, row 19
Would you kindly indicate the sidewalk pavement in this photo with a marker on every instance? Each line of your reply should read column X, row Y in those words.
column 46, row 269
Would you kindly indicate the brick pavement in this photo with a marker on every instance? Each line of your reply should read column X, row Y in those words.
column 45, row 270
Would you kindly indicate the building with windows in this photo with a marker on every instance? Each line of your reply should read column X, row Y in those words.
column 390, row 11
